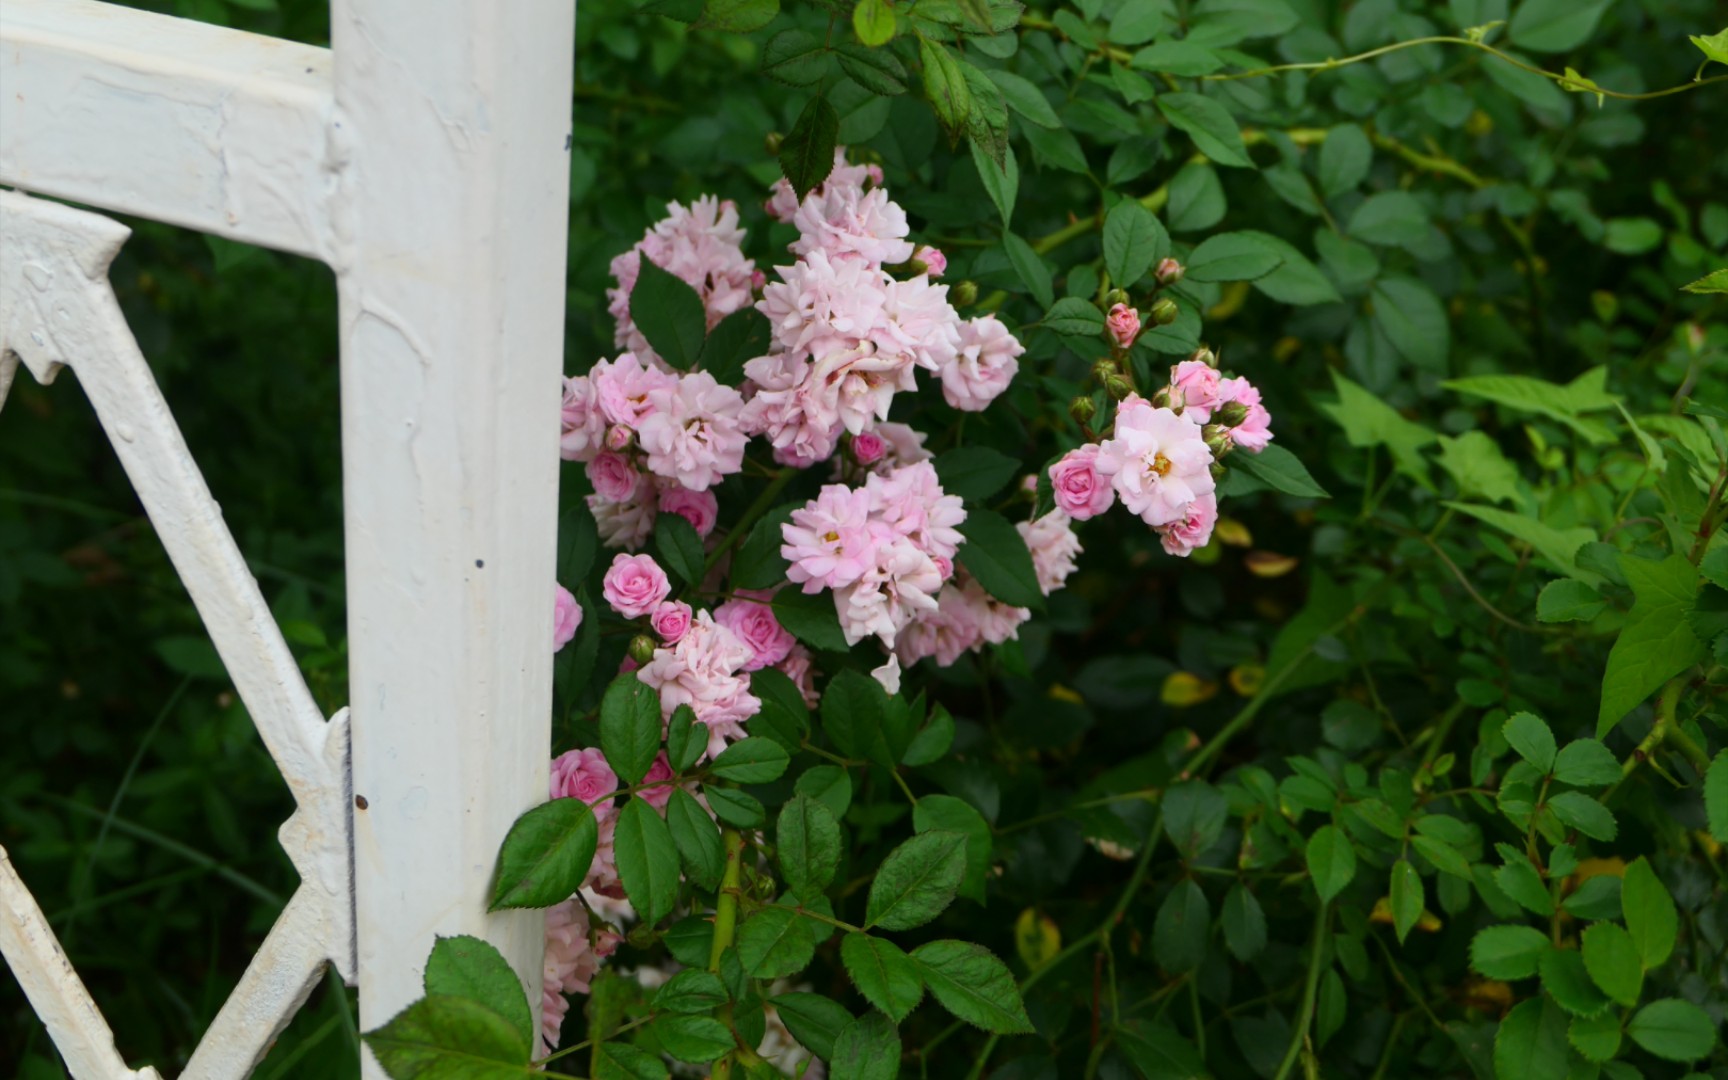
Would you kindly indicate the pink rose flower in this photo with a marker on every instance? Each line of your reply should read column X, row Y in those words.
column 614, row 476
column 1193, row 529
column 983, row 366
column 829, row 542
column 566, row 618
column 584, row 775
column 658, row 796
column 622, row 388
column 1123, row 325
column 1081, row 492
column 583, row 424
column 1157, row 462
column 868, row 448
column 635, row 585
column 671, row 621
column 1198, row 384
column 1053, row 545
column 752, row 619
column 700, row 508
column 1255, row 430
column 692, row 433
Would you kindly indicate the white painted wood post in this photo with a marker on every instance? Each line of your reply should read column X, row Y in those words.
column 451, row 135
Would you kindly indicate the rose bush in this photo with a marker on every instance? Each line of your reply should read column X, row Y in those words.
column 1377, row 732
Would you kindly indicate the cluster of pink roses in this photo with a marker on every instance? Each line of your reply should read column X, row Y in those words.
column 653, row 440
column 1159, row 456
column 847, row 334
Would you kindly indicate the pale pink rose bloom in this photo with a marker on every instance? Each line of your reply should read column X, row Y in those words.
column 1255, row 430
column 868, row 447
column 634, row 585
column 623, row 387
column 911, row 502
column 1193, row 529
column 658, row 796
column 584, row 775
column 797, row 667
column 700, row 244
column 1157, row 461
column 820, row 305
column 614, row 477
column 700, row 508
column 566, row 618
column 798, row 420
column 582, row 421
column 849, row 224
column 935, row 263
column 705, row 672
column 984, row 365
column 919, row 325
column 1080, row 491
column 693, row 434
column 752, row 619
column 574, row 950
column 1123, row 325
column 899, row 588
column 671, row 621
column 1053, row 545
column 622, row 524
column 967, row 618
column 829, row 542
column 1199, row 386
column 857, row 385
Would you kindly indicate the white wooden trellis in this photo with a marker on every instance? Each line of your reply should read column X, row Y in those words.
column 423, row 157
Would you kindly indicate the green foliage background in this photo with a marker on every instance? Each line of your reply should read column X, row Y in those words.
column 1448, row 218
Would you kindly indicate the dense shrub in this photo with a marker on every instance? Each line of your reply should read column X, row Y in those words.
column 1407, row 772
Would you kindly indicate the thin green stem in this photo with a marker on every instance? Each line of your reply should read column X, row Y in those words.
column 725, row 927
column 1565, row 81
column 751, row 513
column 1316, row 956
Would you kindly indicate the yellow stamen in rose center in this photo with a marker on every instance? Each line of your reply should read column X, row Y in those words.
column 830, row 537
column 1159, row 464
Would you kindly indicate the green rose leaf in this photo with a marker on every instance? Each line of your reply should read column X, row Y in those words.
column 630, row 727
column 647, row 860
column 973, row 985
column 669, row 313
column 882, row 973
column 545, row 855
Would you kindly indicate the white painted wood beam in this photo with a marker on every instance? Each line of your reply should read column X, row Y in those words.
column 214, row 129
column 455, row 116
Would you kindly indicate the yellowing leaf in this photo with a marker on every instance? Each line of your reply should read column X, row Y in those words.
column 1183, row 689
column 1036, row 938
column 1714, row 47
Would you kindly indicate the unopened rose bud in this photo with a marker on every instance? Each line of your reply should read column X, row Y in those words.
column 1203, row 355
column 1118, row 387
column 617, row 437
column 1116, row 296
column 1104, row 369
column 1218, row 441
column 772, row 143
column 964, row 294
column 1082, row 410
column 757, row 280
column 935, row 263
column 1168, row 272
column 1695, row 337
column 1164, row 311
column 1231, row 414
column 1164, row 399
column 1122, row 326
column 642, row 648
column 1218, row 471
column 868, row 448
column 1029, row 485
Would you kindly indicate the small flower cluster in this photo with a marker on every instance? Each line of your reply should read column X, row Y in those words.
column 847, row 334
column 1160, row 456
column 851, row 321
column 653, row 440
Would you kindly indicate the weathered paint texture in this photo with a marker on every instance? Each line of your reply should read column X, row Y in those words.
column 424, row 159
